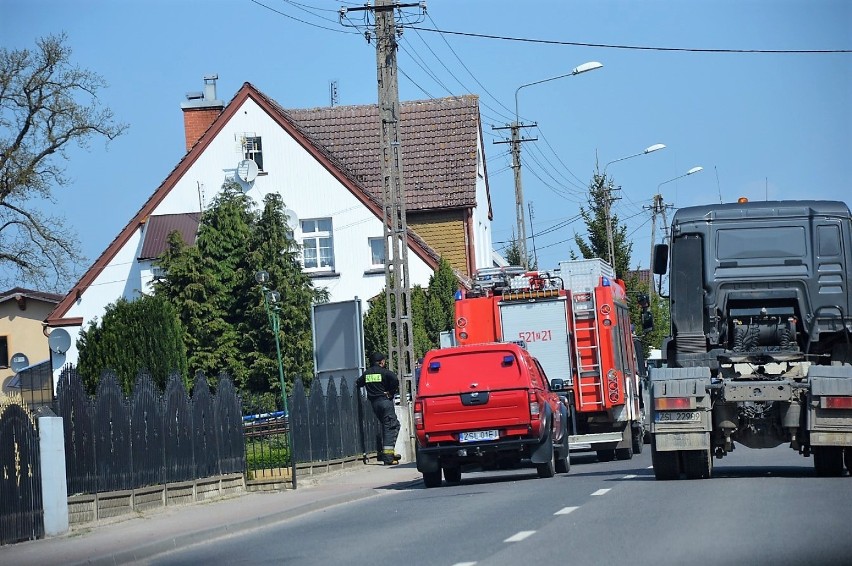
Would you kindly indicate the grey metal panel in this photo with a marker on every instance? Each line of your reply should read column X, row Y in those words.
column 831, row 386
column 554, row 354
column 680, row 373
column 681, row 387
column 338, row 336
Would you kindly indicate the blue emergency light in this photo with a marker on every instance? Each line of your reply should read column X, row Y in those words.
column 434, row 366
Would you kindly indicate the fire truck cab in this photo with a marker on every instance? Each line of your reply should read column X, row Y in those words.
column 576, row 322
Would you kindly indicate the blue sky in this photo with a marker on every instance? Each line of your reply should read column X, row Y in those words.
column 760, row 124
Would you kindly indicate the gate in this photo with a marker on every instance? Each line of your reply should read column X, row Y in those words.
column 21, row 511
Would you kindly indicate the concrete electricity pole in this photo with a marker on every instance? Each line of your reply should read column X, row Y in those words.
column 398, row 284
column 520, row 213
column 657, row 208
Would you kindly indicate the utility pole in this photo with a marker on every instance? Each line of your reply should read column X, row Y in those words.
column 610, row 241
column 397, row 278
column 532, row 233
column 520, row 213
column 657, row 208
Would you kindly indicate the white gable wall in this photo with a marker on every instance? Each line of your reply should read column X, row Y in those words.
column 481, row 222
column 308, row 190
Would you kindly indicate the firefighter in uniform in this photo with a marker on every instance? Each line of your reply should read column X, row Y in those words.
column 381, row 385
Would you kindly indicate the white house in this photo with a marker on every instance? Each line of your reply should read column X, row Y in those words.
column 324, row 163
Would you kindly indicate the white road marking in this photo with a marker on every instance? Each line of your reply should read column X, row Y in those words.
column 565, row 510
column 519, row 536
column 629, row 476
column 601, row 491
column 650, row 468
column 464, row 563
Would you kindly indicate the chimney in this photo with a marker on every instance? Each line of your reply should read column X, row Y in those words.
column 200, row 110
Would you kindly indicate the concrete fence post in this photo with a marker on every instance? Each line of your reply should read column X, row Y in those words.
column 54, row 489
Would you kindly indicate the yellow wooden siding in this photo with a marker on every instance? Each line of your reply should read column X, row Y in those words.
column 445, row 233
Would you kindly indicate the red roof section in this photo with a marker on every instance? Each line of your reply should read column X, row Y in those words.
column 439, row 141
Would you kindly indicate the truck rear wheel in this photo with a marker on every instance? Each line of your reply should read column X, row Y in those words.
column 606, row 455
column 828, row 461
column 666, row 464
column 432, row 479
column 638, row 439
column 697, row 464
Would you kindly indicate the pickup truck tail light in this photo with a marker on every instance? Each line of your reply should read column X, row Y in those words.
column 535, row 409
column 418, row 415
column 836, row 402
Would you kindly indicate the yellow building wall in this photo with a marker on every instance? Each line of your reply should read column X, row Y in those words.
column 445, row 233
column 23, row 332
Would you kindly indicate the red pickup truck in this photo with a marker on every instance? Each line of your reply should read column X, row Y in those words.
column 487, row 404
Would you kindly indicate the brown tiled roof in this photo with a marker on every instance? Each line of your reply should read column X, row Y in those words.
column 30, row 294
column 439, row 144
column 160, row 226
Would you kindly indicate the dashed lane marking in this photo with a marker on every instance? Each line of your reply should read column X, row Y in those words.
column 629, row 476
column 601, row 491
column 464, row 563
column 519, row 536
column 650, row 468
column 566, row 510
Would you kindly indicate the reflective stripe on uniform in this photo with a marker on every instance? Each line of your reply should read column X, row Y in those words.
column 373, row 378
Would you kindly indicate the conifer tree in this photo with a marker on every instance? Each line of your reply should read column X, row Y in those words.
column 440, row 302
column 144, row 334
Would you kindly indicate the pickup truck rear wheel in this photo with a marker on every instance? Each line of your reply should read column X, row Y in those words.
column 452, row 474
column 666, row 464
column 828, row 461
column 432, row 479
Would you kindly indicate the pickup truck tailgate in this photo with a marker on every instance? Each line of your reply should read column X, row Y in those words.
column 476, row 411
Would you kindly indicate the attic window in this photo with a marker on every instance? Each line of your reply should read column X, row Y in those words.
column 253, row 149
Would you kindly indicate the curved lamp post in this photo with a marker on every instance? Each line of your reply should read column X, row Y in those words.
column 516, row 156
column 609, row 239
column 660, row 208
column 273, row 316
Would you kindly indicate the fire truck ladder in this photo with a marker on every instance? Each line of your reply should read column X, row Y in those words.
column 590, row 387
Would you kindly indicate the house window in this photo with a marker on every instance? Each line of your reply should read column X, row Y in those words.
column 4, row 351
column 253, row 149
column 317, row 245
column 377, row 252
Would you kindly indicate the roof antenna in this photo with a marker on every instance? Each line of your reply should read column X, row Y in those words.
column 718, row 186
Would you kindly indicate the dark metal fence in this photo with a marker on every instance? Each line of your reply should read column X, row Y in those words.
column 113, row 443
column 21, row 511
column 328, row 424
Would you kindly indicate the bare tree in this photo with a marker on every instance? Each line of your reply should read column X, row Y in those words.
column 46, row 103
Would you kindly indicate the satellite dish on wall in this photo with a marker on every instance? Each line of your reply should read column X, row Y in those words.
column 18, row 362
column 247, row 170
column 59, row 341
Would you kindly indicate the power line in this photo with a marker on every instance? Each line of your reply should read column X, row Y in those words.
column 633, row 47
column 280, row 13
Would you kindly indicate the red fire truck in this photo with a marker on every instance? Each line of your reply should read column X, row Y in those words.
column 575, row 320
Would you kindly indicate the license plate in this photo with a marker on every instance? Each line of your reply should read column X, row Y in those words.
column 479, row 435
column 677, row 416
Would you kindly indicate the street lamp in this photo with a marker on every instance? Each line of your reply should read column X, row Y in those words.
column 608, row 202
column 516, row 156
column 272, row 315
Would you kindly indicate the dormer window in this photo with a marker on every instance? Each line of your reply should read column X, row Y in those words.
column 253, row 149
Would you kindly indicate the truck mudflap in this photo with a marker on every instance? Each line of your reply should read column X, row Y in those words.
column 830, row 406
column 681, row 417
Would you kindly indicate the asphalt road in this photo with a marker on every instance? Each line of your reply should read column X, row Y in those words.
column 761, row 507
